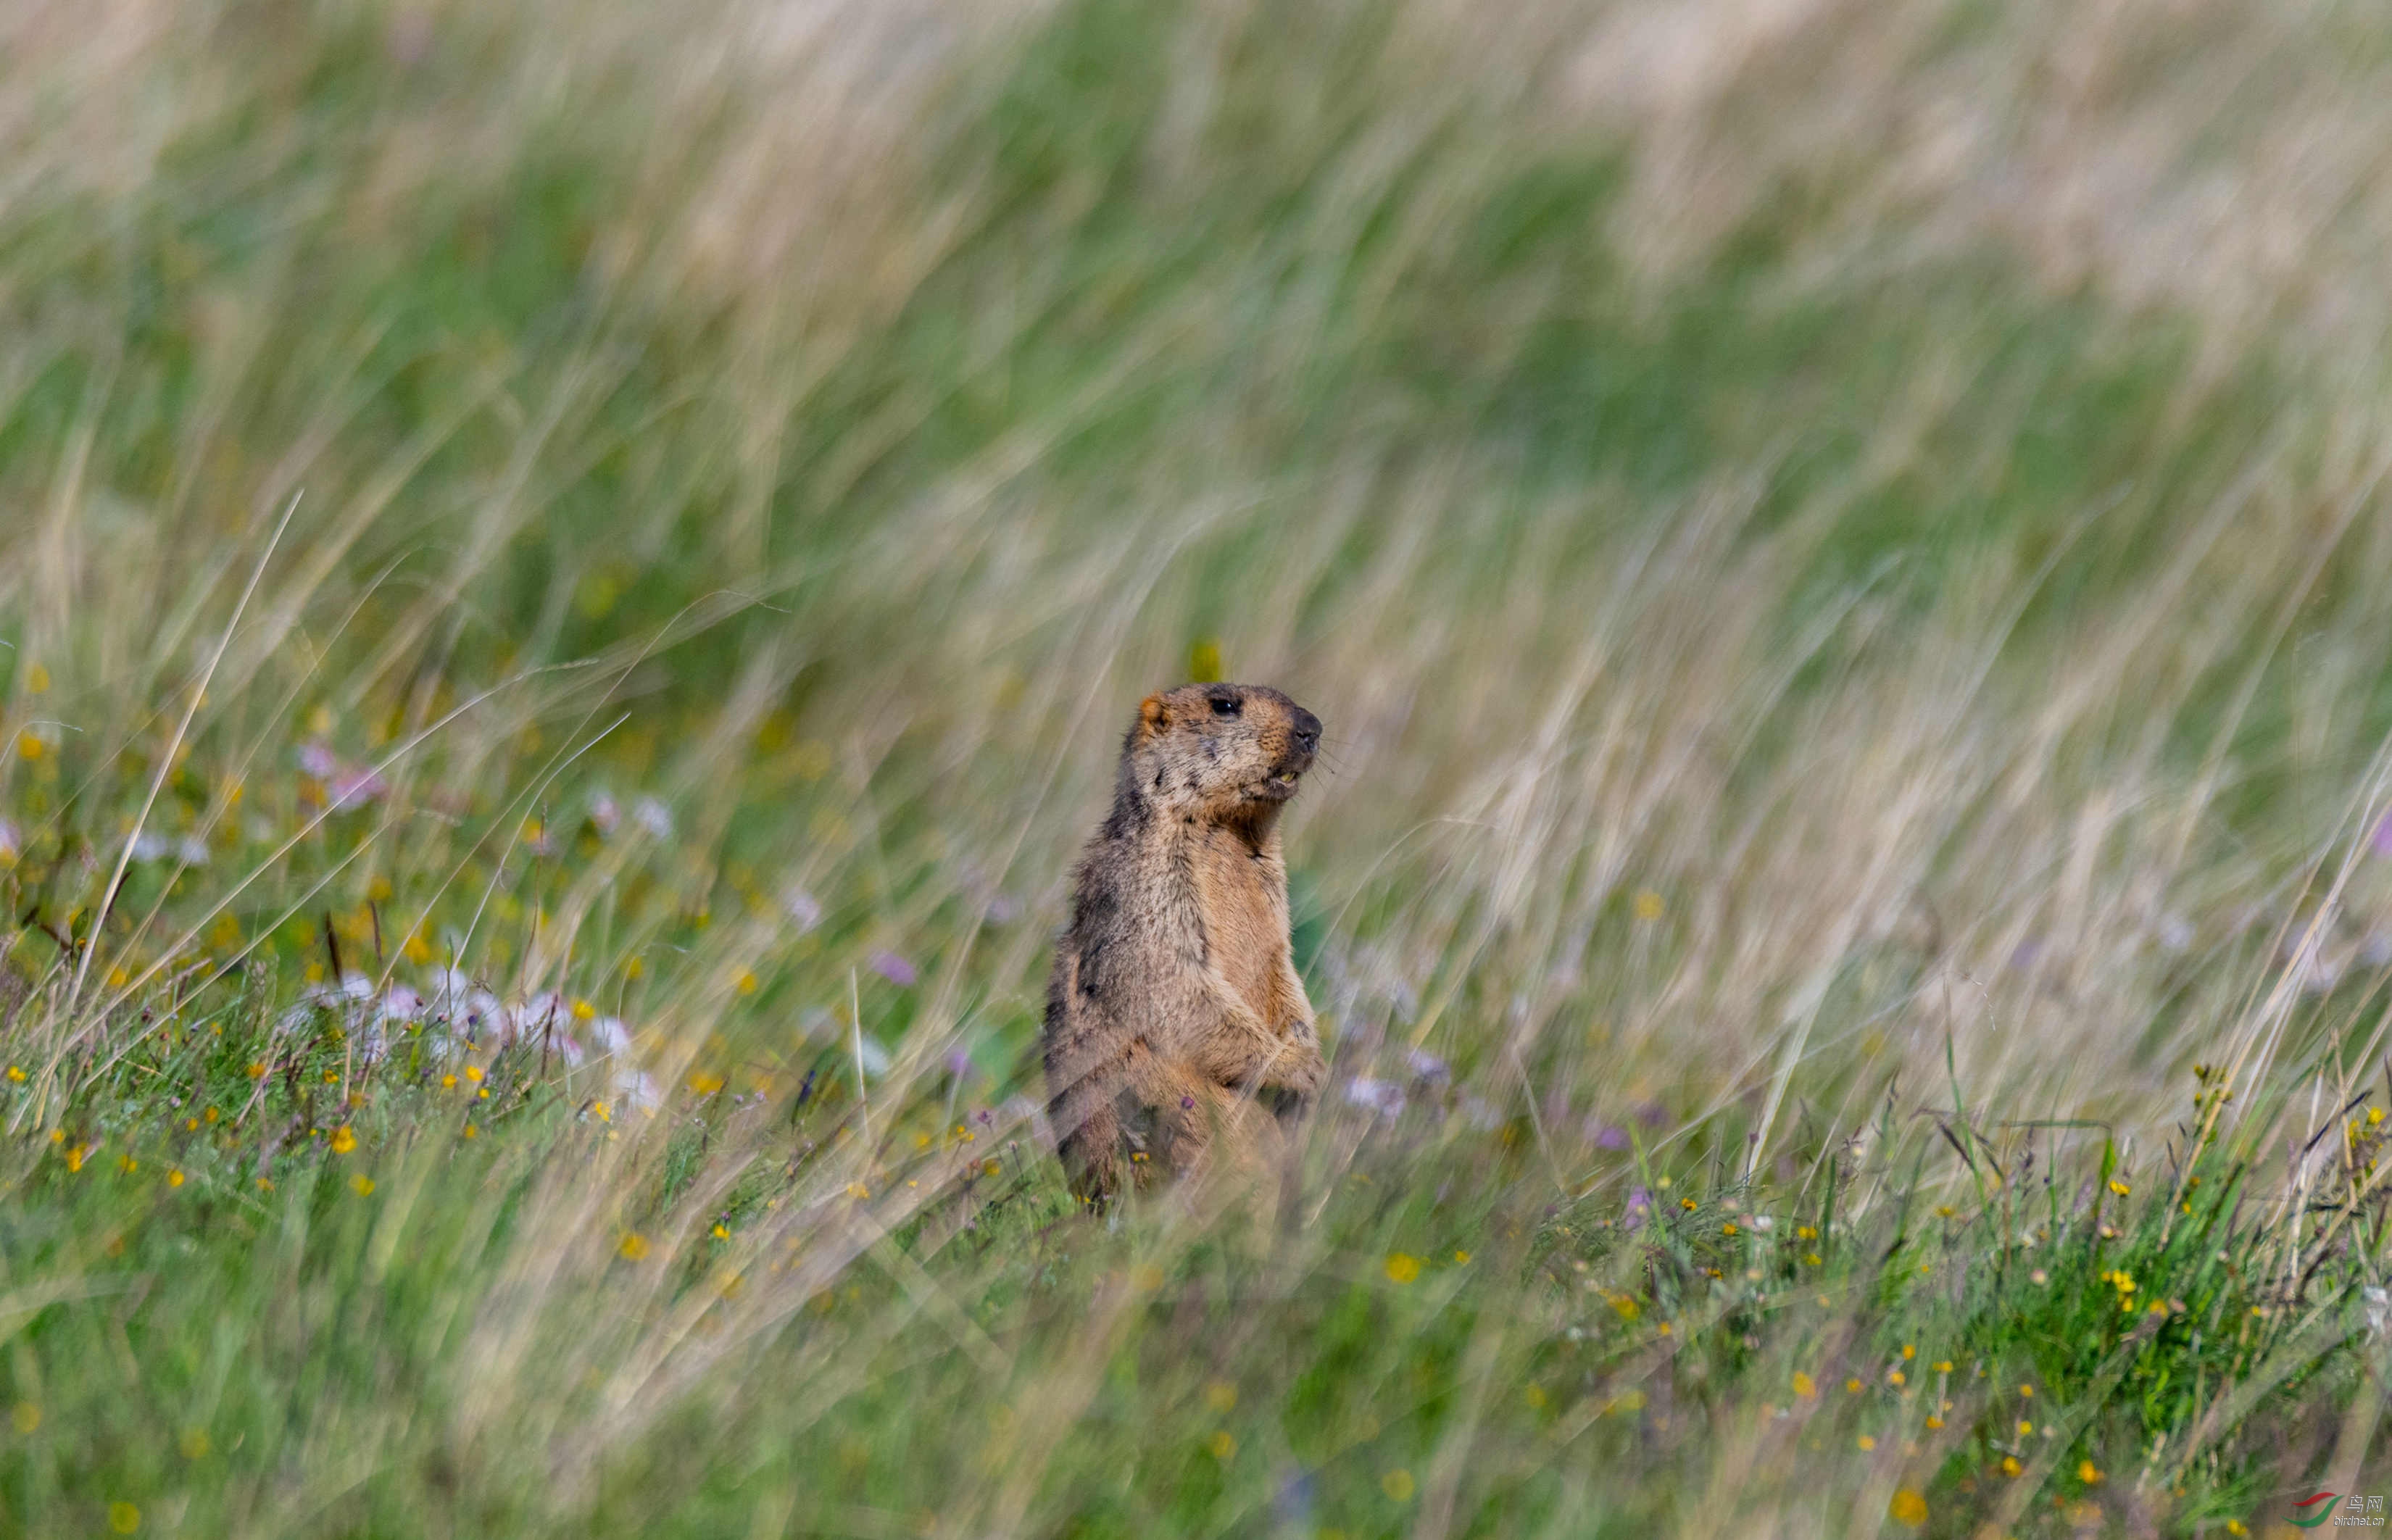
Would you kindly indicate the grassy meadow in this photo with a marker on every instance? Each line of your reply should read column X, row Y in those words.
column 571, row 575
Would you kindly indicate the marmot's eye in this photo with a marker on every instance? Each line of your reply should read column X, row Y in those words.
column 1224, row 705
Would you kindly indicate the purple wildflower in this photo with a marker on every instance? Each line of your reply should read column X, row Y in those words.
column 351, row 787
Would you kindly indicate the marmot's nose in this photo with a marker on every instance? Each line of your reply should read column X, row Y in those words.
column 1307, row 730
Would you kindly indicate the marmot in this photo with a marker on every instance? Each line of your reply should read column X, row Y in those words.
column 1173, row 1004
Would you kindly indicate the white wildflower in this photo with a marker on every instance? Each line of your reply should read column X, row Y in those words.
column 637, row 1090
column 609, row 1037
column 486, row 1017
column 542, row 1015
column 1427, row 1066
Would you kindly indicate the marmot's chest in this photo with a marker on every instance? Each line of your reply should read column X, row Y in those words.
column 1242, row 897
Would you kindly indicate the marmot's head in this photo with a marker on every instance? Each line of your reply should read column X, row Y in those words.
column 1219, row 751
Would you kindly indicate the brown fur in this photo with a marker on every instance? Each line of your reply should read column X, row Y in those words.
column 1173, row 1004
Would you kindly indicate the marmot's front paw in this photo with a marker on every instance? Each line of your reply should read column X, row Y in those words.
column 1303, row 1072
column 1284, row 1106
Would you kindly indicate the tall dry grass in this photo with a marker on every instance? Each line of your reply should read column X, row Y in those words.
column 1834, row 544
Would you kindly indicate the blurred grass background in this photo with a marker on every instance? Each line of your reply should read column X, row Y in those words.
column 1836, row 544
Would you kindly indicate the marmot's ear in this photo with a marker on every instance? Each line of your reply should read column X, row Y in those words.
column 1153, row 716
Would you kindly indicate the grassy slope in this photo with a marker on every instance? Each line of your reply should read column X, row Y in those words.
column 1821, row 748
